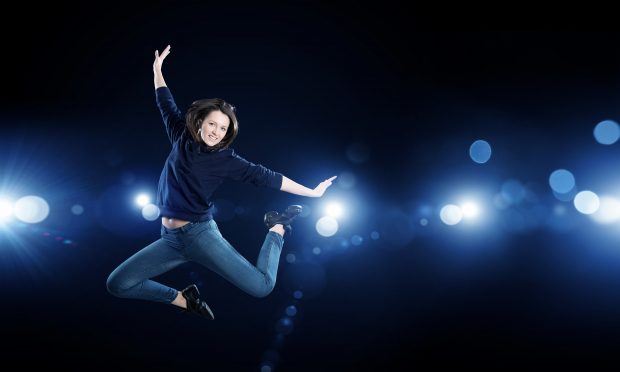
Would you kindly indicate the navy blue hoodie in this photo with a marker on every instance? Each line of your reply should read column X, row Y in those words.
column 191, row 174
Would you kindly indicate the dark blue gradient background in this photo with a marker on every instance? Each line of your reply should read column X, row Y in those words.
column 79, row 125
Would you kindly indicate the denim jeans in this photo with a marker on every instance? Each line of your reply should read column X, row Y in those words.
column 199, row 242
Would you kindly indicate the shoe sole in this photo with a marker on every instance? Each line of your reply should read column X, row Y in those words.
column 211, row 315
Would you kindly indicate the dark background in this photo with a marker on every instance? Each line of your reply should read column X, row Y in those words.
column 309, row 80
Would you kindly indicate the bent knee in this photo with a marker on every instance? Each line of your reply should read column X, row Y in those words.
column 264, row 291
column 114, row 287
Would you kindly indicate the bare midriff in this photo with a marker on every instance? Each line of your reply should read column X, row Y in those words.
column 173, row 223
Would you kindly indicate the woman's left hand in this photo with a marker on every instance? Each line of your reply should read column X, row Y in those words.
column 320, row 189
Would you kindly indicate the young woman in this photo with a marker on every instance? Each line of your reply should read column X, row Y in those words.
column 199, row 162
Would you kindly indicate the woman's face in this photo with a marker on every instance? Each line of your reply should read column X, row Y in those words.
column 214, row 127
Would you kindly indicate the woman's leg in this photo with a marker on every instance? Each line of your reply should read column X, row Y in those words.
column 209, row 248
column 131, row 279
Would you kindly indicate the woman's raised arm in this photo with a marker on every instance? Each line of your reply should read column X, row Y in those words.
column 159, row 61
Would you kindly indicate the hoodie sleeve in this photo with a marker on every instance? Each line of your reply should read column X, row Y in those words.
column 170, row 113
column 242, row 170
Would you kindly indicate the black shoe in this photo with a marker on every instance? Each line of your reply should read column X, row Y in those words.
column 191, row 292
column 194, row 304
column 285, row 218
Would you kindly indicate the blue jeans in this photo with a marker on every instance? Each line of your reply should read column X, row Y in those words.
column 200, row 242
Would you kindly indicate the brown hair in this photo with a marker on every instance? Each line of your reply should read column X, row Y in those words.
column 200, row 109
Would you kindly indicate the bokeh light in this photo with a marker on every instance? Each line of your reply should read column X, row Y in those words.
column 284, row 326
column 150, row 212
column 356, row 240
column 587, row 202
column 561, row 181
column 566, row 197
column 291, row 311
column 327, row 226
column 77, row 209
column 451, row 214
column 480, row 151
column 607, row 132
column 31, row 209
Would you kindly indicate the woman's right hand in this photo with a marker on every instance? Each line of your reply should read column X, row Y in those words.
column 320, row 189
column 159, row 59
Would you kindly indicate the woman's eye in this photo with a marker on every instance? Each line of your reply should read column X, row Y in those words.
column 223, row 129
column 210, row 124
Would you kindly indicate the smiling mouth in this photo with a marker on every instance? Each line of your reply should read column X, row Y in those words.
column 213, row 138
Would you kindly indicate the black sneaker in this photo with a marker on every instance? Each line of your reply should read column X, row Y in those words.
column 194, row 304
column 285, row 218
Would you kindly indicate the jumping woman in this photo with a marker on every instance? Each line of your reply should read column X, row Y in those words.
column 199, row 162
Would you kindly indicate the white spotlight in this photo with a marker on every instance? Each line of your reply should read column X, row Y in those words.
column 334, row 210
column 6, row 210
column 608, row 212
column 470, row 210
column 142, row 200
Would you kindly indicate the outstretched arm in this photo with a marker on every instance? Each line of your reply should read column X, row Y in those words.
column 170, row 113
column 293, row 187
column 240, row 169
column 158, row 77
